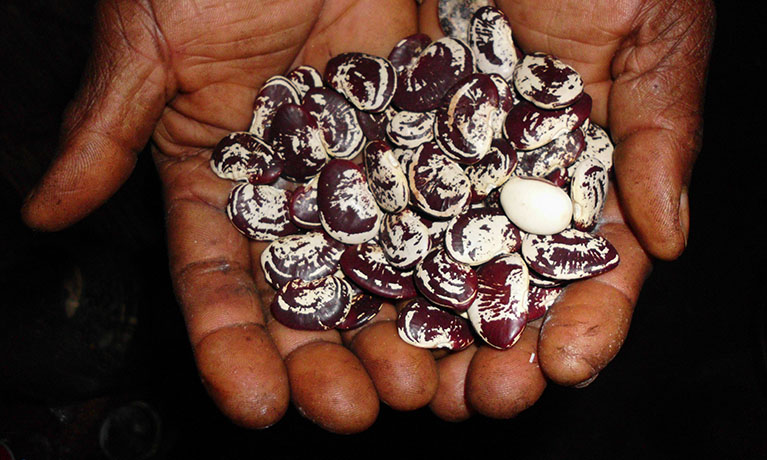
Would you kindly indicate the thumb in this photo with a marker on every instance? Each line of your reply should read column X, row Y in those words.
column 109, row 121
column 655, row 107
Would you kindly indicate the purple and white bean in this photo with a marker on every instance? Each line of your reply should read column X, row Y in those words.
column 367, row 266
column 425, row 325
column 243, row 156
column 348, row 210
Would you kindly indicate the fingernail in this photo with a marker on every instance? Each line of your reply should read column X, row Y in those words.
column 586, row 382
column 27, row 199
column 684, row 214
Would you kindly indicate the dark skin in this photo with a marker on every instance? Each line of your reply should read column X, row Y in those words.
column 180, row 75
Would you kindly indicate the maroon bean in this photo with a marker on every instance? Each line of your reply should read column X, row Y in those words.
column 490, row 39
column 307, row 256
column 559, row 177
column 588, row 190
column 275, row 92
column 337, row 119
column 404, row 53
column 540, row 299
column 436, row 228
column 374, row 124
column 315, row 305
column 367, row 81
column 506, row 101
column 348, row 210
column 260, row 212
column 366, row 265
column 404, row 157
column 303, row 208
column 424, row 325
column 304, row 78
column 363, row 308
column 598, row 144
column 480, row 234
column 297, row 139
column 445, row 281
column 242, row 156
column 569, row 255
column 541, row 281
column 423, row 85
column 560, row 153
column 547, row 82
column 411, row 129
column 438, row 185
column 385, row 176
column 499, row 313
column 464, row 125
column 404, row 239
column 492, row 171
column 528, row 127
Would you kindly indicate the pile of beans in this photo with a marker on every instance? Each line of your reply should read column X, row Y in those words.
column 458, row 177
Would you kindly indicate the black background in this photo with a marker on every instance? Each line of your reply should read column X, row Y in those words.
column 690, row 381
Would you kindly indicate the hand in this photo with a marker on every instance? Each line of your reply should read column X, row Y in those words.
column 186, row 77
column 644, row 64
column 185, row 74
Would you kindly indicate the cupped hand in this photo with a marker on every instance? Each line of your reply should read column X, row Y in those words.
column 183, row 74
column 644, row 63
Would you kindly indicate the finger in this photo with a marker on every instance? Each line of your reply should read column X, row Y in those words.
column 655, row 111
column 331, row 387
column 503, row 383
column 211, row 272
column 585, row 328
column 405, row 376
column 109, row 121
column 449, row 403
column 328, row 384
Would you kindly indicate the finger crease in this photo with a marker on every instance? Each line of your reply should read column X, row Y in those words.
column 222, row 265
column 242, row 325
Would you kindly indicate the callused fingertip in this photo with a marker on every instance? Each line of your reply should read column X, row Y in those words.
column 565, row 364
column 581, row 335
column 405, row 376
column 244, row 375
column 331, row 388
column 503, row 383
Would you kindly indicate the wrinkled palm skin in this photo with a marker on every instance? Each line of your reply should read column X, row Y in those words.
column 180, row 74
